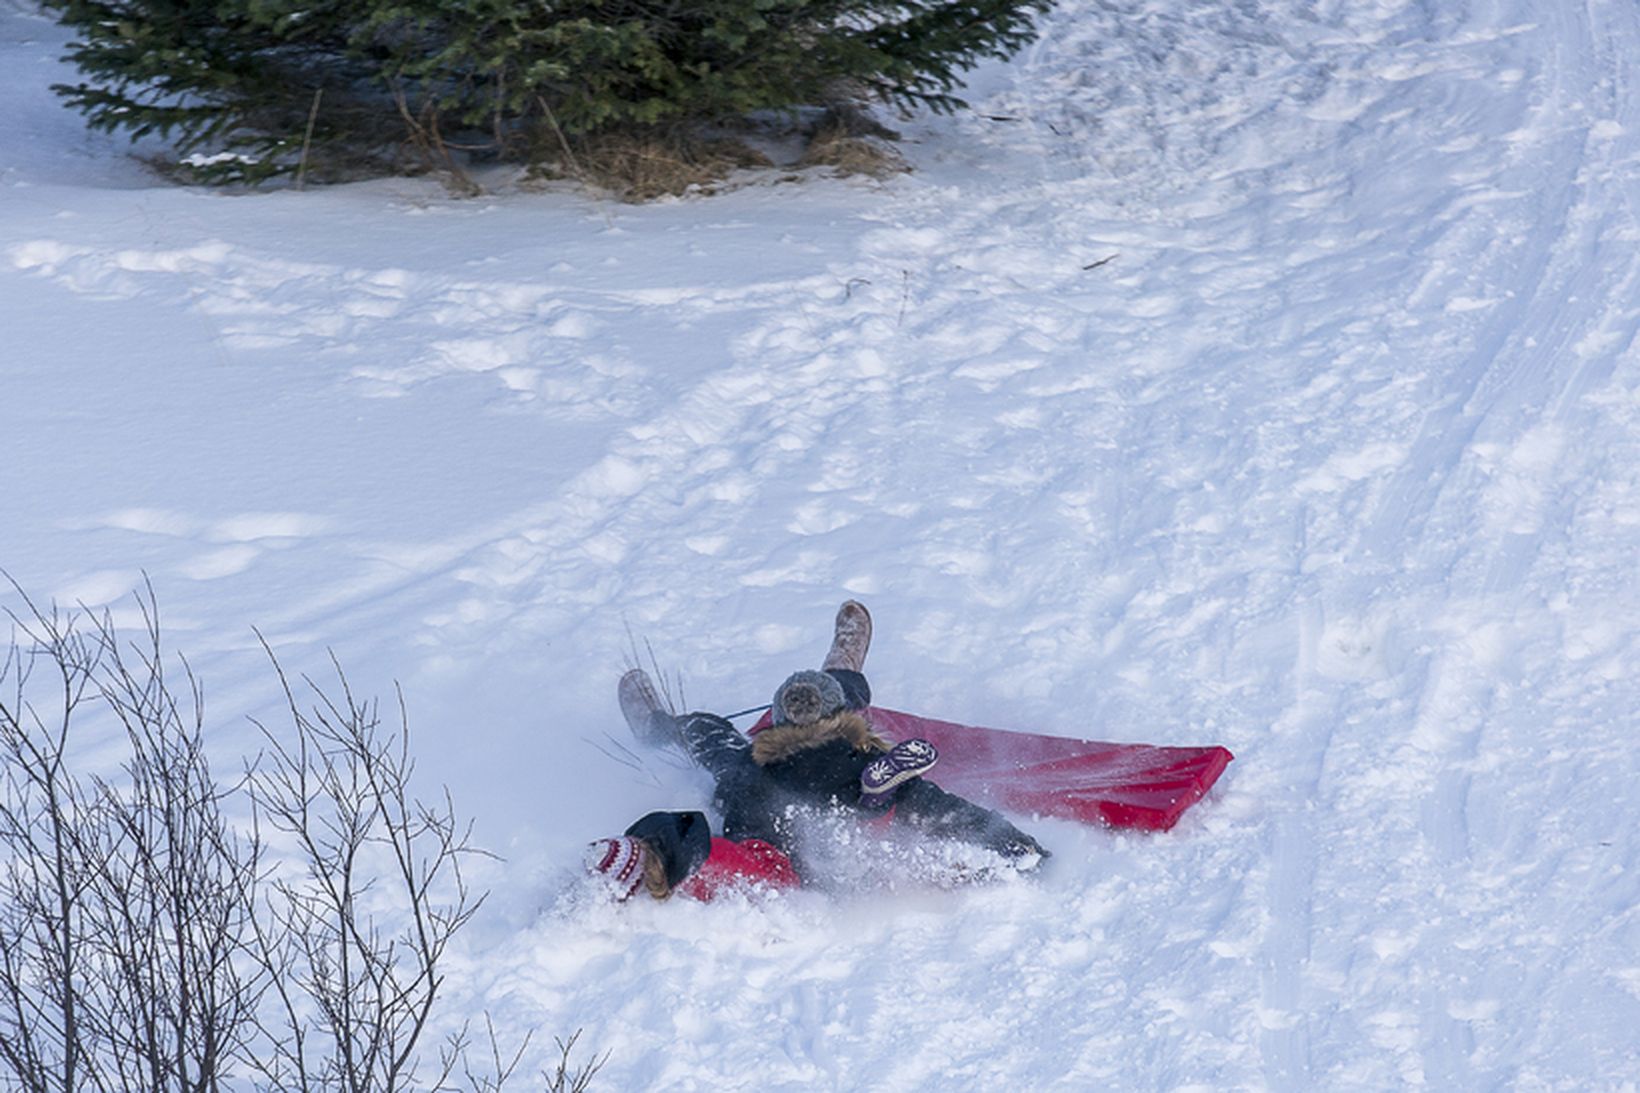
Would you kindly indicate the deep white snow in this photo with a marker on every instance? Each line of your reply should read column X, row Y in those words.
column 1259, row 373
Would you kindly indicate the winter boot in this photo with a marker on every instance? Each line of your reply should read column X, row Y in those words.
column 851, row 637
column 646, row 715
column 898, row 765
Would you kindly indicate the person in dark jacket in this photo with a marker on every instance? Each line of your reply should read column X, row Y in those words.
column 818, row 760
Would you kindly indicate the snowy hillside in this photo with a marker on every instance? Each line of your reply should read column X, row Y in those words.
column 1259, row 373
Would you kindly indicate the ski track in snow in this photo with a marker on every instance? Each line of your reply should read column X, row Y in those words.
column 1260, row 374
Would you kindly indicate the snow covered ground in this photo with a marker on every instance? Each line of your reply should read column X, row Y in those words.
column 1259, row 373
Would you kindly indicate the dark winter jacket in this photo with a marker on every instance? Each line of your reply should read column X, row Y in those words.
column 819, row 766
column 820, row 761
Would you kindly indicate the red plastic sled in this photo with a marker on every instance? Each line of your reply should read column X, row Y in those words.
column 1137, row 786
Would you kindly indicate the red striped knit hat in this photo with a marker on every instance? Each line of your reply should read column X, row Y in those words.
column 619, row 863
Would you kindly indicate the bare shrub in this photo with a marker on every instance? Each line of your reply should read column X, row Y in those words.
column 123, row 902
column 147, row 944
column 355, row 938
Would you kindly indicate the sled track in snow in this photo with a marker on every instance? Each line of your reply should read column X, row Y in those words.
column 1512, row 332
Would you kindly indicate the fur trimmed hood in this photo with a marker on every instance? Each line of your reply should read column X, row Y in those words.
column 780, row 742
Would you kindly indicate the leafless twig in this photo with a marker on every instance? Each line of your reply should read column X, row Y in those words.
column 125, row 900
column 362, row 932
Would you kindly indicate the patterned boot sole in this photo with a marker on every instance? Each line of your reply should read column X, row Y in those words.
column 904, row 761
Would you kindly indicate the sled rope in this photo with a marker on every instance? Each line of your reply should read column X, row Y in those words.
column 754, row 709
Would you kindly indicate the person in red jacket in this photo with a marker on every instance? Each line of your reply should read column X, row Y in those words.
column 818, row 758
column 675, row 853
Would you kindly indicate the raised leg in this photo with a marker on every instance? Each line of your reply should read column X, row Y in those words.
column 851, row 638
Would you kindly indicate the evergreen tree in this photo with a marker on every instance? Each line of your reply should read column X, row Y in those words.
column 252, row 88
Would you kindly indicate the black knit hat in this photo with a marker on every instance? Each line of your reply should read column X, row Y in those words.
column 806, row 697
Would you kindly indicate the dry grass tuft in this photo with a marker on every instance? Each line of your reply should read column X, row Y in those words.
column 643, row 166
column 850, row 143
column 854, row 156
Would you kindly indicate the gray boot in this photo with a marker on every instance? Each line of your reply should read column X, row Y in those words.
column 851, row 638
column 646, row 714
